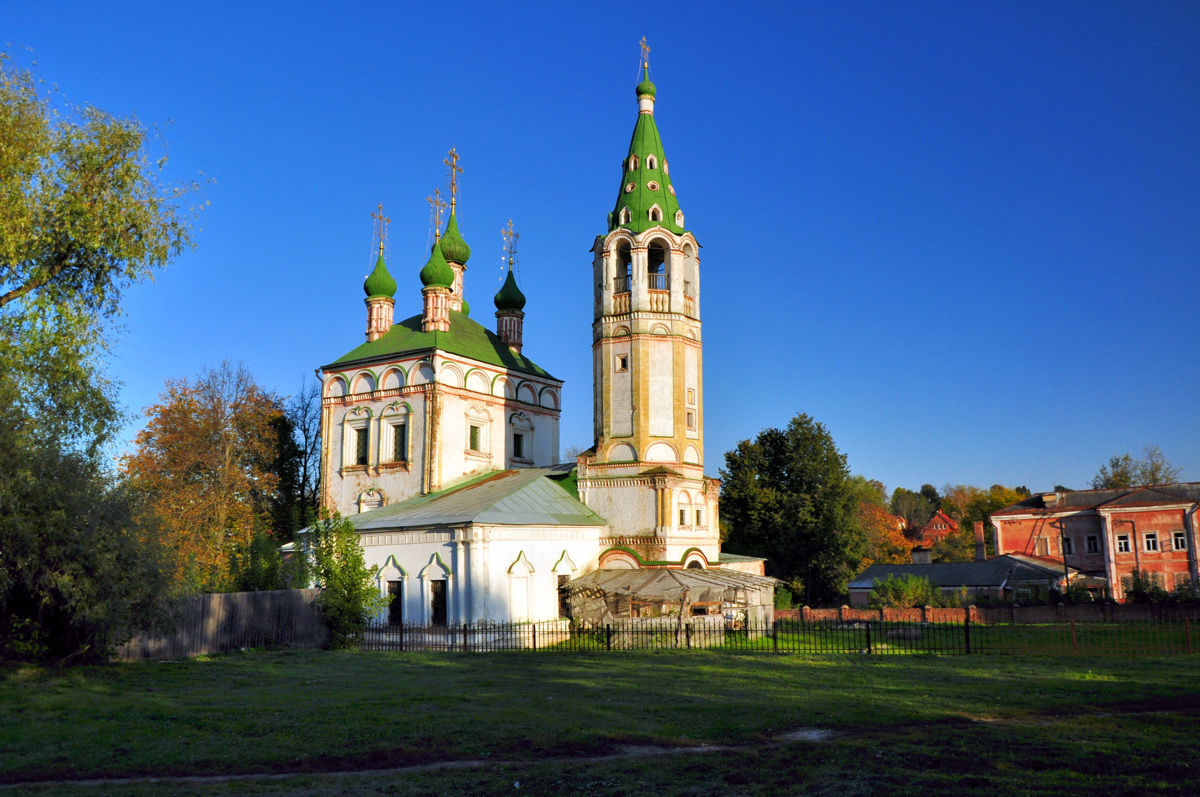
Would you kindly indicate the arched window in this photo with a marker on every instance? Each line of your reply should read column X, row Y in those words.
column 679, row 218
column 656, row 213
column 651, row 162
column 656, row 265
column 624, row 264
column 521, row 439
column 633, row 163
column 625, row 216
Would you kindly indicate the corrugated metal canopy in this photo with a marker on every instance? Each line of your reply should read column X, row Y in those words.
column 668, row 585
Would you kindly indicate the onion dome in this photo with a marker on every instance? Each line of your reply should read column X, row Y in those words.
column 437, row 272
column 379, row 283
column 510, row 297
column 646, row 87
column 454, row 248
column 466, row 308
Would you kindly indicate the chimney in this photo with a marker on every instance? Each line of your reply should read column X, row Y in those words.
column 980, row 543
column 922, row 556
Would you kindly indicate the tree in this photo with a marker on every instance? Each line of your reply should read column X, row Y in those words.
column 785, row 496
column 82, row 216
column 908, row 591
column 297, row 462
column 1123, row 470
column 82, row 211
column 205, row 461
column 960, row 545
column 349, row 596
column 883, row 536
column 913, row 507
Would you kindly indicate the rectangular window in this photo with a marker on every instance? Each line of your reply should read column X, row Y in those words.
column 1068, row 546
column 1093, row 544
column 691, row 420
column 437, row 602
column 1151, row 541
column 476, row 436
column 395, row 603
column 360, row 446
column 1122, row 543
column 400, row 442
column 691, row 396
column 683, row 517
column 564, row 596
column 1179, row 540
column 518, row 445
column 622, row 362
column 699, row 517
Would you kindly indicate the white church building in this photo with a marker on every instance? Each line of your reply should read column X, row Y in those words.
column 440, row 436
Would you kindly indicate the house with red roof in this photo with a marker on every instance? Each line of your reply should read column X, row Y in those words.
column 1107, row 534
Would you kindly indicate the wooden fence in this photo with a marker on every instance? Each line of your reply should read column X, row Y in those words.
column 236, row 620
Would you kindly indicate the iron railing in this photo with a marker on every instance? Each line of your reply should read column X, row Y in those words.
column 1161, row 637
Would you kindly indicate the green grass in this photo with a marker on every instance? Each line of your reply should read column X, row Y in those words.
column 905, row 725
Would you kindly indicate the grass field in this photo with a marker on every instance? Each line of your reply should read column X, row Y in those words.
column 899, row 725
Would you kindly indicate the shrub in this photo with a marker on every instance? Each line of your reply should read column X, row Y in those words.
column 1143, row 586
column 907, row 592
column 783, row 597
column 349, row 596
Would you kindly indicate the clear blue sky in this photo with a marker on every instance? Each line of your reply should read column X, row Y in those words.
column 964, row 236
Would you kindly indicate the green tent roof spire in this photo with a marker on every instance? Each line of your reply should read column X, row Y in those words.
column 646, row 198
column 379, row 283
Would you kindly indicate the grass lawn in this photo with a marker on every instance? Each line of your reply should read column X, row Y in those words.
column 902, row 725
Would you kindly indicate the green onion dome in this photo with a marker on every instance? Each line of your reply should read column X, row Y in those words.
column 466, row 308
column 454, row 248
column 510, row 297
column 379, row 283
column 437, row 272
column 646, row 87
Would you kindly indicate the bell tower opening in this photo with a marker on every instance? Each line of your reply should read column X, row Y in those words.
column 656, row 265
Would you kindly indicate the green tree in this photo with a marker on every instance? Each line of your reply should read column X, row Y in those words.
column 349, row 596
column 786, row 497
column 1124, row 470
column 913, row 507
column 960, row 546
column 907, row 592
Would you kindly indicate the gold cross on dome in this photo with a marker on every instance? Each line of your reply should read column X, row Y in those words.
column 645, row 52
column 381, row 223
column 510, row 241
column 451, row 161
column 436, row 205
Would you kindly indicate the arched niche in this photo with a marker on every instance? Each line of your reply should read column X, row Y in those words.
column 661, row 452
column 622, row 452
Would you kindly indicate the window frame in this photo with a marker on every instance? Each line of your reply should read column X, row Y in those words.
column 1092, row 543
column 1150, row 542
column 1179, row 536
column 1123, row 544
column 1068, row 545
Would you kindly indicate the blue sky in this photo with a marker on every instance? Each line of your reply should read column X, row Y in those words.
column 964, row 236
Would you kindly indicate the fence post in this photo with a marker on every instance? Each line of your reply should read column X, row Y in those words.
column 402, row 636
column 534, row 628
column 868, row 624
column 1074, row 644
column 608, row 636
column 775, row 635
column 967, row 630
column 465, row 648
column 688, row 631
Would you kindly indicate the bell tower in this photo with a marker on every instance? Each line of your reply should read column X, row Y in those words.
column 646, row 470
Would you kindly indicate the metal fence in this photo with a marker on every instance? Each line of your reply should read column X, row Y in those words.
column 1162, row 637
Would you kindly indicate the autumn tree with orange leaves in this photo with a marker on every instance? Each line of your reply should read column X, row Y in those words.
column 206, row 461
column 884, row 534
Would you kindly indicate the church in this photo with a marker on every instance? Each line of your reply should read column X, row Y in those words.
column 440, row 435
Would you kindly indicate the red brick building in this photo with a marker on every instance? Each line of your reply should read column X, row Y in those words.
column 1107, row 534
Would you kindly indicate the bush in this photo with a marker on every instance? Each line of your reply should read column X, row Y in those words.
column 1143, row 586
column 783, row 597
column 349, row 596
column 908, row 591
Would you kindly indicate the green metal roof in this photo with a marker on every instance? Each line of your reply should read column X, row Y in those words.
column 437, row 272
column 454, row 248
column 466, row 338
column 642, row 188
column 525, row 497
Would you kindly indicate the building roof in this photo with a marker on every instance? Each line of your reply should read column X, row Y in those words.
column 1077, row 500
column 525, row 497
column 650, row 186
column 509, row 297
column 930, row 532
column 454, row 248
column 379, row 282
column 466, row 338
column 670, row 585
column 991, row 573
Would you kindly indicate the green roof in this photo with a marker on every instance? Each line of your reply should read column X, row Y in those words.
column 380, row 282
column 525, row 497
column 437, row 272
column 466, row 338
column 644, row 187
